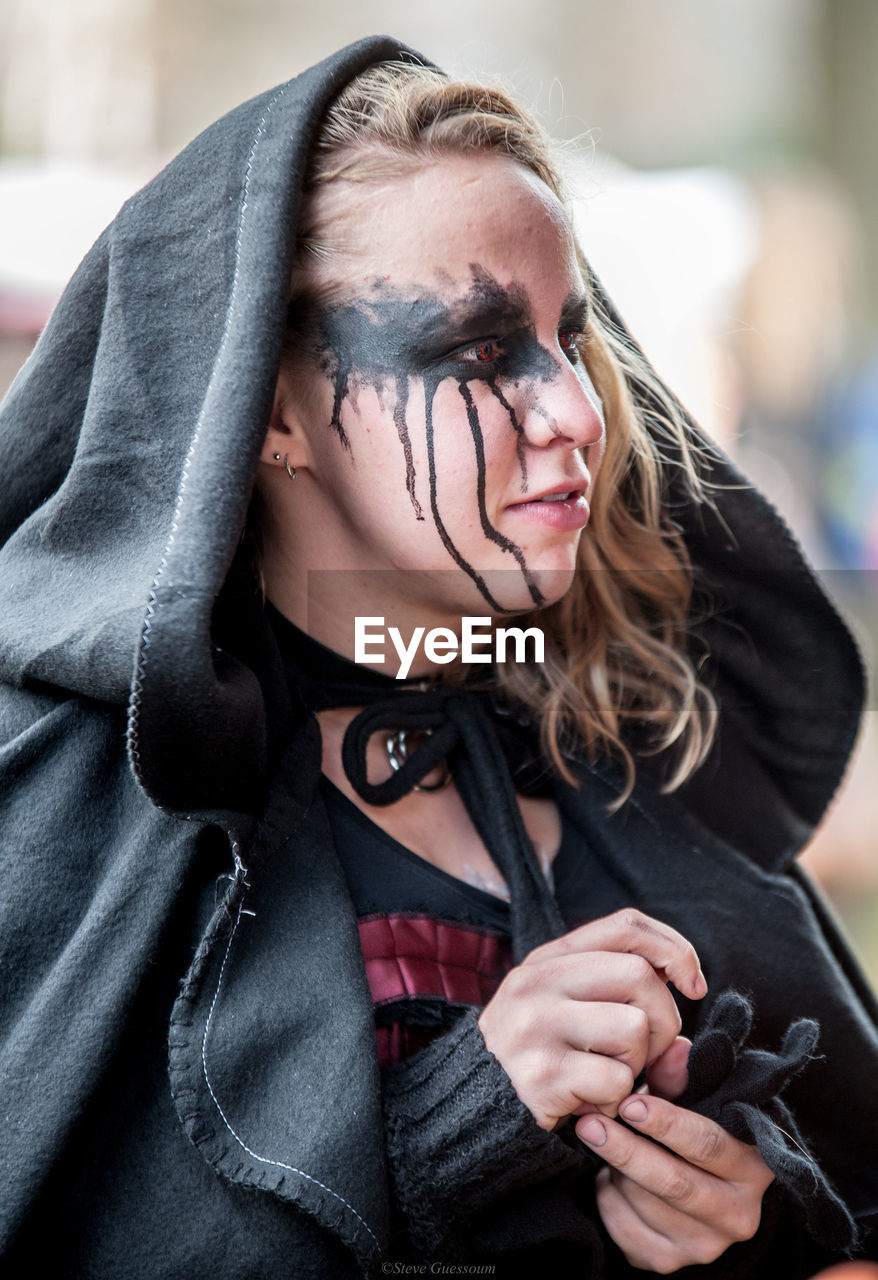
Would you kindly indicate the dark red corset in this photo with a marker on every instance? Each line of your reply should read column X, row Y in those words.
column 418, row 958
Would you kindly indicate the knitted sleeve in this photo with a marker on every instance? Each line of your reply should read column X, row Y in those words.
column 460, row 1143
column 474, row 1176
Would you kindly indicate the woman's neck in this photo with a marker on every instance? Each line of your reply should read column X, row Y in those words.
column 397, row 643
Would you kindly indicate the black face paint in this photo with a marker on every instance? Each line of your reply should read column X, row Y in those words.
column 431, row 386
column 383, row 339
column 517, row 428
column 492, row 534
column 399, row 408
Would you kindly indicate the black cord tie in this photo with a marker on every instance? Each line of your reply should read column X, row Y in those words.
column 462, row 729
column 459, row 732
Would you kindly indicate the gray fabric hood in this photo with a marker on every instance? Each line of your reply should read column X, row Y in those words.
column 130, row 439
column 129, row 445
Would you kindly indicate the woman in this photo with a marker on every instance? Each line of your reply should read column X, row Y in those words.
column 458, row 427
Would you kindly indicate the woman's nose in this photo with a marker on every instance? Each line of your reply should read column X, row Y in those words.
column 565, row 407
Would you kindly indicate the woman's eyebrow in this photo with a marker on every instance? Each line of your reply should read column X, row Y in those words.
column 482, row 311
column 473, row 316
column 575, row 311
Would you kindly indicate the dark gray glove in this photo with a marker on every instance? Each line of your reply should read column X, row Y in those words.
column 740, row 1089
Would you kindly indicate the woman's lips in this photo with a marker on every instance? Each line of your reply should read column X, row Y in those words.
column 564, row 513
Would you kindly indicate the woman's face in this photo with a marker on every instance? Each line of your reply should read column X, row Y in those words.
column 447, row 420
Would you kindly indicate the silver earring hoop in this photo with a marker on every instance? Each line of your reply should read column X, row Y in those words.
column 291, row 471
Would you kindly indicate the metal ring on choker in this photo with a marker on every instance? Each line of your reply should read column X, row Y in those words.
column 397, row 749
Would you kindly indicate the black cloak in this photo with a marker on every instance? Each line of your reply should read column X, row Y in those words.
column 160, row 825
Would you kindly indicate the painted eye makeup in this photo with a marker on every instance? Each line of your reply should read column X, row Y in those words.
column 386, row 339
column 487, row 351
column 569, row 341
column 490, row 353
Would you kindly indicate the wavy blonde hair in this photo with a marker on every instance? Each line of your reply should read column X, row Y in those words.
column 618, row 675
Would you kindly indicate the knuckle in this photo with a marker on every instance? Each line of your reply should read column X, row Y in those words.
column 661, row 1123
column 614, row 1083
column 664, row 1257
column 640, row 970
column 666, row 1025
column 633, row 1040
column 664, row 1264
column 623, row 1158
column 567, row 944
column 666, row 1016
column 744, row 1222
column 706, row 1248
column 678, row 1190
column 566, row 1066
column 709, row 1144
column 622, row 1078
column 538, row 953
column 538, row 1038
column 524, row 981
column 637, row 1022
column 551, row 971
column 538, row 1073
column 634, row 920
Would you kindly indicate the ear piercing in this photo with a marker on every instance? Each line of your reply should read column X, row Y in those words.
column 291, row 471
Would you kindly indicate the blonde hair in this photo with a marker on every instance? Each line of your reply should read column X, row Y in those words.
column 617, row 675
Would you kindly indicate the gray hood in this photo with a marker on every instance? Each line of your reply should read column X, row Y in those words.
column 129, row 446
column 131, row 437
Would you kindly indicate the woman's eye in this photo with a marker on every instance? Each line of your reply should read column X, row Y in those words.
column 488, row 351
column 568, row 341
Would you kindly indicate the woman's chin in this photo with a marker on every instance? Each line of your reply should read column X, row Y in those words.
column 426, row 596
column 553, row 584
column 514, row 591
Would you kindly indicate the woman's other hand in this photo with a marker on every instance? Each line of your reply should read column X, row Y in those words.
column 577, row 1021
column 680, row 1203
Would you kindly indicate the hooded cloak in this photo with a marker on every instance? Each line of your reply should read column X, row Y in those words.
column 165, row 861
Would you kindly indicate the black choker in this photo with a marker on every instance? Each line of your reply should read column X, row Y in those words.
column 459, row 735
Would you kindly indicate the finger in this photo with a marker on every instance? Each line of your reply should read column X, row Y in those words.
column 643, row 1246
column 585, row 978
column 555, row 1086
column 592, row 1080
column 615, row 1030
column 606, row 1050
column 619, row 1031
column 671, row 955
column 555, row 1078
column 665, row 1190
column 654, row 1234
column 668, row 1075
column 698, row 1141
column 652, row 1168
column 615, row 979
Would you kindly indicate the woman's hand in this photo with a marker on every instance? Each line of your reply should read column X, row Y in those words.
column 681, row 1203
column 576, row 1022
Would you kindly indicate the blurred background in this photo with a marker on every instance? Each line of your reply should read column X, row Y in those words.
column 723, row 159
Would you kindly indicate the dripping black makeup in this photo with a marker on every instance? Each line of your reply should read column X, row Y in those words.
column 386, row 338
column 383, row 334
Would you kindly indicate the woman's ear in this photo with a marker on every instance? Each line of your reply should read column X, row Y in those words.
column 286, row 442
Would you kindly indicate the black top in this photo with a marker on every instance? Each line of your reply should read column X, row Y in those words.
column 384, row 877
